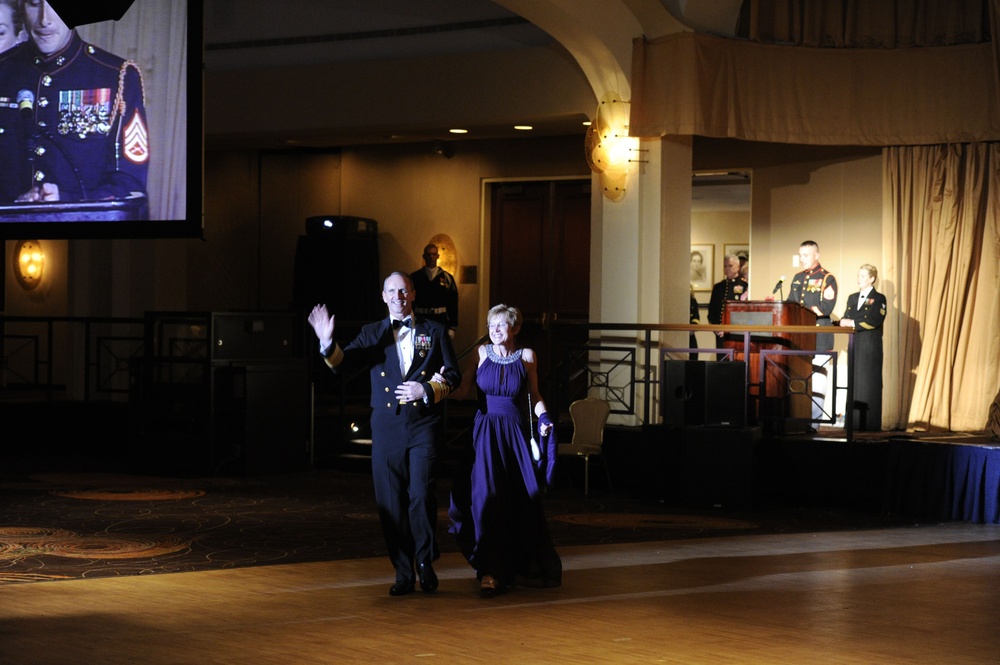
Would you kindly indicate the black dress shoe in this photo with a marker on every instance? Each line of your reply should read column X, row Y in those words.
column 428, row 579
column 401, row 588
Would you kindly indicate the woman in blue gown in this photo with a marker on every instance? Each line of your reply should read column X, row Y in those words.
column 496, row 511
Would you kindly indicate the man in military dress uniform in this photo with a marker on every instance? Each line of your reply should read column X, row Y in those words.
column 815, row 288
column 731, row 287
column 88, row 136
column 402, row 353
column 438, row 292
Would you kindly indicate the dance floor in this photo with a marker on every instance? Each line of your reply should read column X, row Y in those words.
column 99, row 565
column 921, row 594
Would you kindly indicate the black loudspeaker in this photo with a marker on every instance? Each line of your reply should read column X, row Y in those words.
column 682, row 399
column 725, row 394
column 337, row 264
column 260, row 416
column 255, row 335
column 340, row 225
column 699, row 392
column 719, row 467
column 658, row 469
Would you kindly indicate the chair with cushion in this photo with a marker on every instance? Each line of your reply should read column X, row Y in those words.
column 589, row 417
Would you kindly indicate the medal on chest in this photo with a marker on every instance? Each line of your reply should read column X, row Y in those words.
column 422, row 343
column 85, row 112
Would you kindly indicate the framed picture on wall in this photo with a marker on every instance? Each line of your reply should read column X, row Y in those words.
column 739, row 249
column 702, row 267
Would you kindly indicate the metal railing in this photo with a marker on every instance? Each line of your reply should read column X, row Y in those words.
column 622, row 363
column 88, row 358
column 81, row 357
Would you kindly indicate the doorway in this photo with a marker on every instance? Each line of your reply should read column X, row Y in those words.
column 540, row 255
column 720, row 225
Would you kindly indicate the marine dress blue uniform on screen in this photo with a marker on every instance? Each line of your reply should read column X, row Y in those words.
column 88, row 128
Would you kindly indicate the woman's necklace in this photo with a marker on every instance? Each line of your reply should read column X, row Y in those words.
column 513, row 355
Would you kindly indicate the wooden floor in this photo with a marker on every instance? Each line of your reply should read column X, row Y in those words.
column 911, row 595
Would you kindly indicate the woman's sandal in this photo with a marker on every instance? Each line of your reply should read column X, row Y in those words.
column 487, row 586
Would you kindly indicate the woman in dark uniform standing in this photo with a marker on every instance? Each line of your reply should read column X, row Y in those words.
column 865, row 313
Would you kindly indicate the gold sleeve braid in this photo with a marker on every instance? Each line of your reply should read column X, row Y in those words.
column 440, row 390
column 335, row 357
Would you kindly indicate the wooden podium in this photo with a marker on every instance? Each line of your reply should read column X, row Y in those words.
column 785, row 392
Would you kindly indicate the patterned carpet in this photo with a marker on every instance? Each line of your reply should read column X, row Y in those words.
column 72, row 525
column 72, row 509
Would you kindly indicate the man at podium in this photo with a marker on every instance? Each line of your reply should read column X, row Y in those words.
column 815, row 288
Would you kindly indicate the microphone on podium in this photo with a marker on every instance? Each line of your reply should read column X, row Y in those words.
column 26, row 103
column 778, row 285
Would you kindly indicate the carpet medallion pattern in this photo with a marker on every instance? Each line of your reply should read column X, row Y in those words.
column 59, row 526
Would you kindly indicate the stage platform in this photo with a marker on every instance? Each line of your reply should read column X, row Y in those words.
column 941, row 476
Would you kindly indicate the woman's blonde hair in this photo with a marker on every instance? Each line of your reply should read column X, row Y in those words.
column 871, row 270
column 511, row 314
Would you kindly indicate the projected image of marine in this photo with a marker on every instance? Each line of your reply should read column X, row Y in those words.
column 89, row 139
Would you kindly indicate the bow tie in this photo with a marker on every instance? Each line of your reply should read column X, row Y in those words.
column 397, row 324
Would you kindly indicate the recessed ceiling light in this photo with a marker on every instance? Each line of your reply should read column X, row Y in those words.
column 523, row 128
column 459, row 131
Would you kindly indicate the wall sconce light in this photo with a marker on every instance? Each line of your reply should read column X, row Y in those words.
column 29, row 260
column 608, row 146
column 447, row 254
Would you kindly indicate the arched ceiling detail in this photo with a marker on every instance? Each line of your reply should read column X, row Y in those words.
column 598, row 34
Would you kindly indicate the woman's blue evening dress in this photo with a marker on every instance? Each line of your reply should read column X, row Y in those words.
column 498, row 516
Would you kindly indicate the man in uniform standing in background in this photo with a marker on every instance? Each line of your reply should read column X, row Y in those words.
column 438, row 291
column 731, row 287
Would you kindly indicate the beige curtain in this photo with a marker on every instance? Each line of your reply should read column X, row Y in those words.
column 941, row 250
column 690, row 84
column 866, row 23
column 995, row 44
column 152, row 34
